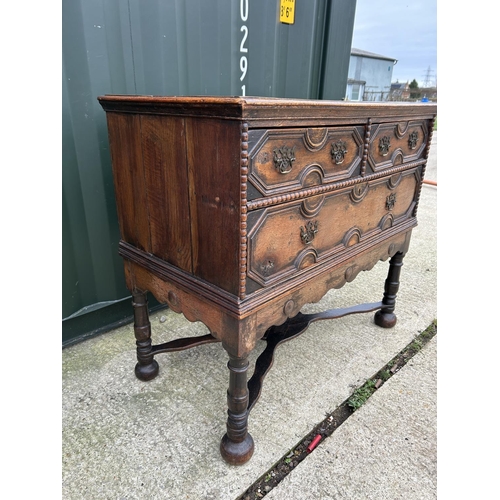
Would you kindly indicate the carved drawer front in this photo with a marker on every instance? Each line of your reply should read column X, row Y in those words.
column 395, row 143
column 282, row 160
column 286, row 238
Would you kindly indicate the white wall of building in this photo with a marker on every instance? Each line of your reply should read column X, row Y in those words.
column 369, row 78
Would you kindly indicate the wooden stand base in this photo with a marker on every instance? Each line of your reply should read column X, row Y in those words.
column 237, row 444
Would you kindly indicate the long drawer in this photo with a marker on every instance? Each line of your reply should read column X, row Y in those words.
column 285, row 238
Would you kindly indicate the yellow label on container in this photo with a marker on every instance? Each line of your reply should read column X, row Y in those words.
column 287, row 11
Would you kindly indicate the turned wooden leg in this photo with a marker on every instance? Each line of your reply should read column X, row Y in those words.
column 386, row 317
column 146, row 367
column 237, row 444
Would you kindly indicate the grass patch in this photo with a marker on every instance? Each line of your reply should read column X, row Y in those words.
column 358, row 399
column 361, row 394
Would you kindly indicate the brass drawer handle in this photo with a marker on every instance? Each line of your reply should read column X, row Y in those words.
column 384, row 145
column 283, row 158
column 390, row 201
column 308, row 233
column 413, row 139
column 338, row 152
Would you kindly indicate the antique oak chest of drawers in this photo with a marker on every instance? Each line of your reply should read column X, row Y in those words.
column 238, row 211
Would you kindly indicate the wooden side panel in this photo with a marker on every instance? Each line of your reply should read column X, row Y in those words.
column 213, row 148
column 128, row 171
column 166, row 179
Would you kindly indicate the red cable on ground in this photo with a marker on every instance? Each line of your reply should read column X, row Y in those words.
column 314, row 443
column 432, row 183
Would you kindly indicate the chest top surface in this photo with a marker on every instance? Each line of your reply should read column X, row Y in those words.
column 267, row 110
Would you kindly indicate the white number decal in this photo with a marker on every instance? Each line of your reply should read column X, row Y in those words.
column 242, row 45
column 244, row 9
column 243, row 49
column 243, row 67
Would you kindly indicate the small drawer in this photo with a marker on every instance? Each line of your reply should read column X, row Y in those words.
column 395, row 143
column 284, row 160
column 285, row 239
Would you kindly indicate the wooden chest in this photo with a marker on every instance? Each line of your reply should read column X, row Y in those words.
column 238, row 211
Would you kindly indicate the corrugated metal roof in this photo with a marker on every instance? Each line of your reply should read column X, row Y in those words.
column 364, row 53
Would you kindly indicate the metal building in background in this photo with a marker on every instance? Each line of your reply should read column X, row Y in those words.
column 370, row 76
column 169, row 47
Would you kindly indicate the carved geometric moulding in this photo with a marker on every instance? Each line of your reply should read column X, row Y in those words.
column 393, row 143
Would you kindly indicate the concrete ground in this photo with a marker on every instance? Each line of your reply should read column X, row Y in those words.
column 126, row 439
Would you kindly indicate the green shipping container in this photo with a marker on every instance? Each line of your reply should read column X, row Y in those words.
column 168, row 47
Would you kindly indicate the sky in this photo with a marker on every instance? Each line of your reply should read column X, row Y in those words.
column 405, row 30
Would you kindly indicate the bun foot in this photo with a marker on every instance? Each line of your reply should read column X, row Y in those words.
column 385, row 320
column 236, row 453
column 147, row 372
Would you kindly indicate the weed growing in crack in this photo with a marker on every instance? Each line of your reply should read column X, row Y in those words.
column 360, row 396
column 416, row 345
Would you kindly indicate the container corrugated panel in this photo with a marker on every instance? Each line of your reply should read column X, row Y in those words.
column 169, row 47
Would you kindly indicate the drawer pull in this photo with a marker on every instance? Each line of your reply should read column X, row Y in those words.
column 283, row 158
column 267, row 267
column 390, row 201
column 308, row 233
column 413, row 139
column 338, row 152
column 384, row 145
